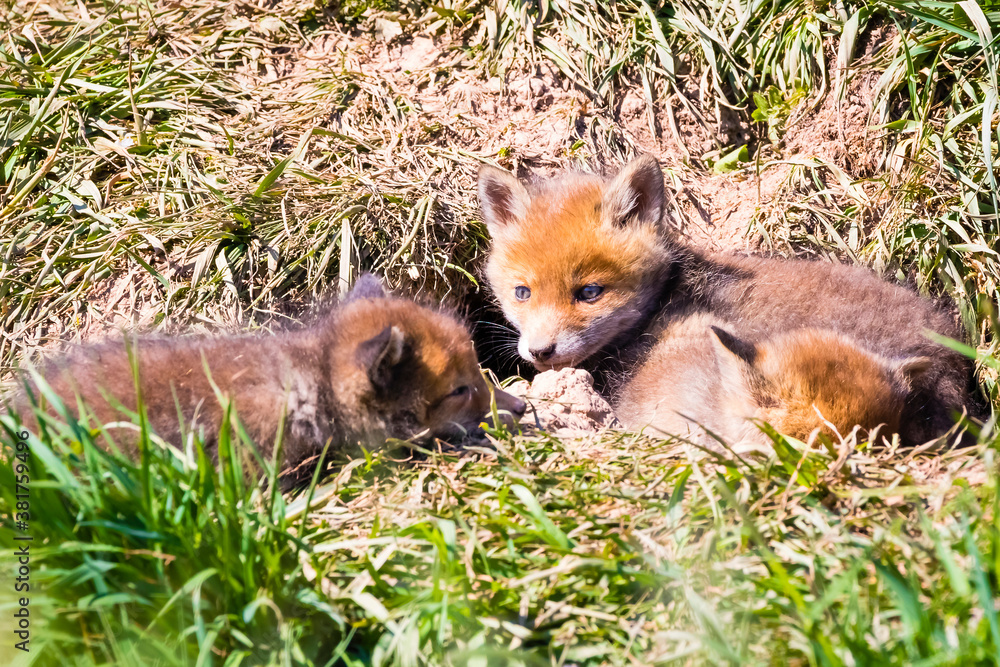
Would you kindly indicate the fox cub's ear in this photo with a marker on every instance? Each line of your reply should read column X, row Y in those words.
column 367, row 286
column 502, row 198
column 736, row 358
column 636, row 193
column 730, row 345
column 381, row 355
column 912, row 369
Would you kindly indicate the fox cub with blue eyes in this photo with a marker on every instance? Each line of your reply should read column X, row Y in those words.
column 588, row 272
column 375, row 367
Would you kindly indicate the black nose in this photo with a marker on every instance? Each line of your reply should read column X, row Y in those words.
column 544, row 353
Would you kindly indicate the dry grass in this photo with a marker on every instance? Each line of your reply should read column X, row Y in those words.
column 172, row 165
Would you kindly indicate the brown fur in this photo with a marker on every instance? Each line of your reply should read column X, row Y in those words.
column 571, row 236
column 578, row 229
column 698, row 375
column 374, row 368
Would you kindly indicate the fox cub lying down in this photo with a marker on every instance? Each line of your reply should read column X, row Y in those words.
column 799, row 381
column 375, row 367
column 586, row 270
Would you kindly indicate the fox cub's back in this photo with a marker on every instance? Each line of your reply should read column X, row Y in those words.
column 812, row 378
column 700, row 375
column 588, row 273
column 375, row 367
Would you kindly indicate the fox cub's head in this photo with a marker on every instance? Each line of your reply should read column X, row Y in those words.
column 576, row 261
column 803, row 379
column 410, row 367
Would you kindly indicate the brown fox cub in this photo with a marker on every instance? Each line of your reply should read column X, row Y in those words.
column 699, row 375
column 375, row 367
column 586, row 271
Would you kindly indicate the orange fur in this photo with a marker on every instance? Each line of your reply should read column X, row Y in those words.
column 799, row 381
column 374, row 368
column 814, row 379
column 567, row 240
column 560, row 242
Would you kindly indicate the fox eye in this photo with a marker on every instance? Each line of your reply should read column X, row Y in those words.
column 589, row 293
column 522, row 293
column 459, row 391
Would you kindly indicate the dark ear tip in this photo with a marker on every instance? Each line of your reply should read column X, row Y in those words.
column 367, row 286
column 646, row 164
column 381, row 353
column 742, row 349
column 647, row 158
column 728, row 340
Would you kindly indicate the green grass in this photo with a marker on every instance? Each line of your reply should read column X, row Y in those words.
column 182, row 157
column 929, row 208
column 164, row 559
column 528, row 551
column 158, row 146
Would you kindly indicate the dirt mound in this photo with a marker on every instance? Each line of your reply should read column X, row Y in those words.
column 565, row 403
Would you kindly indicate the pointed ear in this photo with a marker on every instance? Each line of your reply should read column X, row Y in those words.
column 912, row 369
column 636, row 193
column 736, row 357
column 502, row 198
column 381, row 354
column 367, row 286
column 728, row 344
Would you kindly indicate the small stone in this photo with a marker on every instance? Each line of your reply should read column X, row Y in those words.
column 387, row 30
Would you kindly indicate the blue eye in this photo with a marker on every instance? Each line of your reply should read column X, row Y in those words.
column 522, row 293
column 589, row 293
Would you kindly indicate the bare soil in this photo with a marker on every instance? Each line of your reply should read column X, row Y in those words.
column 529, row 119
column 540, row 124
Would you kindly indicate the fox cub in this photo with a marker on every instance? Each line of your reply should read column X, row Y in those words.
column 374, row 367
column 586, row 270
column 700, row 375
